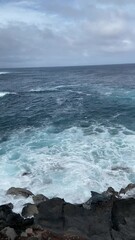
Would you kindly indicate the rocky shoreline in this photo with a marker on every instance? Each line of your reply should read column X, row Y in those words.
column 106, row 216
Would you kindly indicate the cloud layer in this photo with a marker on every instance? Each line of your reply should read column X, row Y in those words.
column 73, row 32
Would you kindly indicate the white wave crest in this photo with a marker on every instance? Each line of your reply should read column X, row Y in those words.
column 2, row 94
column 54, row 88
column 2, row 73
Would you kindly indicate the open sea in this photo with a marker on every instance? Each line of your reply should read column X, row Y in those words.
column 66, row 131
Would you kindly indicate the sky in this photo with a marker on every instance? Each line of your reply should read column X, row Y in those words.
column 40, row 33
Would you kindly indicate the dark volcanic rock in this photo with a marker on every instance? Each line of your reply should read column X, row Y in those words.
column 129, row 187
column 65, row 218
column 19, row 191
column 111, row 192
column 13, row 220
column 5, row 211
column 50, row 214
column 104, row 216
column 123, row 219
column 97, row 198
column 29, row 210
column 39, row 198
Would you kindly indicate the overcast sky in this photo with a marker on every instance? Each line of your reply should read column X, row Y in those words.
column 66, row 32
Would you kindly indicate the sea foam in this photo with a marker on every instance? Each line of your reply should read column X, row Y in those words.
column 69, row 164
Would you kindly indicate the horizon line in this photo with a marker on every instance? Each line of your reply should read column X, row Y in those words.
column 69, row 66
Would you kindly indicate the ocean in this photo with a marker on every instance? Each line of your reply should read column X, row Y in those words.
column 67, row 131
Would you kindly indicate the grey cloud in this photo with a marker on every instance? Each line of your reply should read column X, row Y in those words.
column 81, row 32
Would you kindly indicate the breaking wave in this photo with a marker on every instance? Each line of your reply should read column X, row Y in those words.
column 68, row 164
column 2, row 73
column 3, row 94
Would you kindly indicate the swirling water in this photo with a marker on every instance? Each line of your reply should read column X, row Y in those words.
column 71, row 129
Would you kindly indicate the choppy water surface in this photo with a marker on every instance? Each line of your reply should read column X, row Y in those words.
column 71, row 129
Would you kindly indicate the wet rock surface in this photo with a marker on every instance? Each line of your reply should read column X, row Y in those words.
column 39, row 198
column 104, row 216
column 13, row 220
column 29, row 210
column 19, row 191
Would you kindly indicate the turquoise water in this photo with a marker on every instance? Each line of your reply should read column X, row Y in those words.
column 72, row 130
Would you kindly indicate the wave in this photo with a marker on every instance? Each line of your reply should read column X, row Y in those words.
column 82, row 159
column 2, row 94
column 1, row 73
column 42, row 90
column 55, row 88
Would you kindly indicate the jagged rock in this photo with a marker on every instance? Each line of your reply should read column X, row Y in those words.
column 13, row 220
column 122, row 191
column 129, row 187
column 97, row 198
column 29, row 210
column 10, row 233
column 105, row 217
column 19, row 191
column 111, row 192
column 39, row 198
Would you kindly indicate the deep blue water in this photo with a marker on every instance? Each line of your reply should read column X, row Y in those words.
column 69, row 127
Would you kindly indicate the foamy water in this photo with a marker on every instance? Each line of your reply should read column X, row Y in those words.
column 70, row 130
column 69, row 164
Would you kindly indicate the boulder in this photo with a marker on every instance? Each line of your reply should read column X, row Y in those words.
column 19, row 191
column 39, row 198
column 29, row 210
